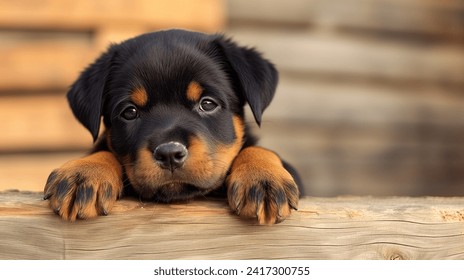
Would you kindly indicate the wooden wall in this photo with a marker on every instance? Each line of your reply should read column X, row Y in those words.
column 371, row 98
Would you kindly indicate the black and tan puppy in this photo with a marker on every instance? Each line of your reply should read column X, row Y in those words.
column 172, row 106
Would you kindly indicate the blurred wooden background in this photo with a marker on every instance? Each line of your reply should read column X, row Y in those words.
column 370, row 102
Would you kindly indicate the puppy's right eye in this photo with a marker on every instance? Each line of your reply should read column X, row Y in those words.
column 130, row 113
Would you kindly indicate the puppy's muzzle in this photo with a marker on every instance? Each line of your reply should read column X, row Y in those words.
column 171, row 155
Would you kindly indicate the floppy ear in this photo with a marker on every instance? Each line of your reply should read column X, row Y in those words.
column 87, row 93
column 256, row 77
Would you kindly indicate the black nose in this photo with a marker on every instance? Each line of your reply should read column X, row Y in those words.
column 170, row 155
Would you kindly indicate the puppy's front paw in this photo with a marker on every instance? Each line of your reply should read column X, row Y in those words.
column 260, row 187
column 84, row 188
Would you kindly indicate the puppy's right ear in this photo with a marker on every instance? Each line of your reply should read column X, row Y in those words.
column 255, row 76
column 87, row 93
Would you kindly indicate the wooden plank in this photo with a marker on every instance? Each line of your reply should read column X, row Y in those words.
column 323, row 228
column 428, row 17
column 43, row 65
column 308, row 98
column 207, row 15
column 347, row 57
column 40, row 123
column 295, row 12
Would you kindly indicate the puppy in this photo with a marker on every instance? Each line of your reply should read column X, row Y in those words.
column 172, row 104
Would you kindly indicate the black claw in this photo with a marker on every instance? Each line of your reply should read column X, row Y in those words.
column 237, row 207
column 51, row 177
column 258, row 205
column 293, row 204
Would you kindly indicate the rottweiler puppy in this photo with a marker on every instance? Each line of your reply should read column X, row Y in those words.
column 172, row 104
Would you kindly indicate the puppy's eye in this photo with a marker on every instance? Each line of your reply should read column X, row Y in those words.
column 208, row 105
column 130, row 113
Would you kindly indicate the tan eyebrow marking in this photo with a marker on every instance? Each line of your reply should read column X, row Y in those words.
column 139, row 96
column 194, row 91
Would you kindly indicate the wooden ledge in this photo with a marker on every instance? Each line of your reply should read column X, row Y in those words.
column 323, row 228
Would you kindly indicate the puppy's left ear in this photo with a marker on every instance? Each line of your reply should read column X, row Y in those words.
column 254, row 77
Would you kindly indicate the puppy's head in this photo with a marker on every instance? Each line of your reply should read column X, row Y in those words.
column 172, row 105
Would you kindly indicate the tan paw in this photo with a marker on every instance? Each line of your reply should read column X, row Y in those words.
column 84, row 188
column 260, row 187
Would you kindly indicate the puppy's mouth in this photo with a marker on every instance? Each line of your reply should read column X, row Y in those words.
column 170, row 192
column 152, row 181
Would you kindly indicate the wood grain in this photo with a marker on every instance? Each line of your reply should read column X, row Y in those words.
column 323, row 228
column 42, row 122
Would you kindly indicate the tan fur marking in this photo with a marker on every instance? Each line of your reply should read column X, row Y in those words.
column 229, row 152
column 194, row 91
column 139, row 96
column 257, row 157
column 199, row 164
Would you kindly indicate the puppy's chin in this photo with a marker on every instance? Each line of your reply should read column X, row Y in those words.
column 170, row 192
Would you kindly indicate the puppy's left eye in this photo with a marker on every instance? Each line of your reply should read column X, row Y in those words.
column 130, row 113
column 208, row 105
